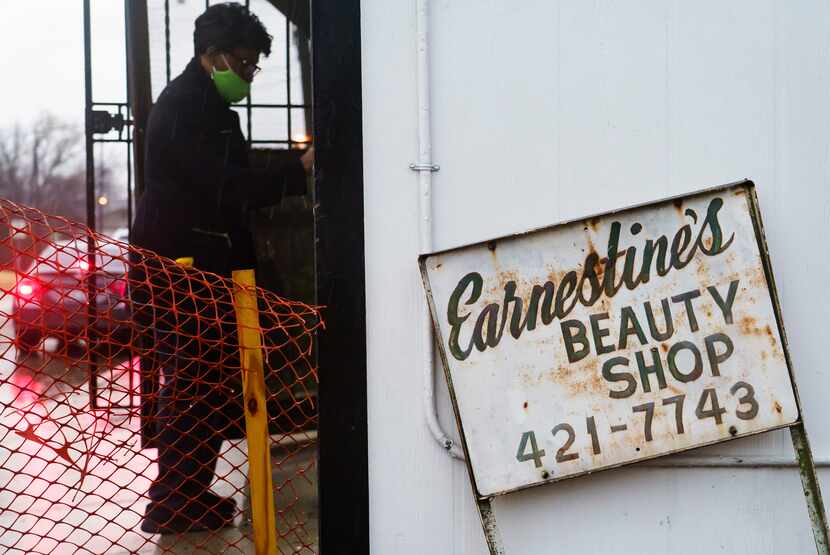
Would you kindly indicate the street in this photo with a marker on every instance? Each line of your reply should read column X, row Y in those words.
column 73, row 480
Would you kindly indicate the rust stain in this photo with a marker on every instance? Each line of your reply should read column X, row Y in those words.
column 579, row 378
column 508, row 275
column 771, row 337
column 561, row 374
column 592, row 249
column 597, row 383
column 599, row 268
column 749, row 326
column 528, row 380
column 777, row 406
column 555, row 276
column 702, row 271
column 757, row 279
column 525, row 405
column 578, row 387
column 524, row 291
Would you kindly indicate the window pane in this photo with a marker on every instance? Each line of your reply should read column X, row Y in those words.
column 270, row 85
column 269, row 124
column 109, row 62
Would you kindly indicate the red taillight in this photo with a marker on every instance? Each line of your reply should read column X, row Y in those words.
column 27, row 288
column 118, row 287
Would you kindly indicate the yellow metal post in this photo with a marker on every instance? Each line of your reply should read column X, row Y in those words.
column 256, row 417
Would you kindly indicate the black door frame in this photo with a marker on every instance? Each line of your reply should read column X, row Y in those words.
column 341, row 279
column 339, row 258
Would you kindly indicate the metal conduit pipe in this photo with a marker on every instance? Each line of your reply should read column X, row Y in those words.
column 729, row 461
column 425, row 167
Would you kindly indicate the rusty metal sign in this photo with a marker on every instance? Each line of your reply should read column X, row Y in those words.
column 610, row 340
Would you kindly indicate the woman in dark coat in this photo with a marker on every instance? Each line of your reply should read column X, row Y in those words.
column 199, row 188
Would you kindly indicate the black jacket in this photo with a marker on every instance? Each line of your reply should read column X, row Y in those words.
column 199, row 185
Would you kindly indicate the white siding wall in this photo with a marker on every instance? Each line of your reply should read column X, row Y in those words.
column 545, row 110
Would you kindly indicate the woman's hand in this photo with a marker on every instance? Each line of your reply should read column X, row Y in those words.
column 308, row 160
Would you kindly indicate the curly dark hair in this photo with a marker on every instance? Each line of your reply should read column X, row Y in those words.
column 228, row 26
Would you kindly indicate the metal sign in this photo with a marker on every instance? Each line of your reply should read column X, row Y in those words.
column 611, row 340
column 617, row 338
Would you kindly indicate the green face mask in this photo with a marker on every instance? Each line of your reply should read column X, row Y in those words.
column 231, row 86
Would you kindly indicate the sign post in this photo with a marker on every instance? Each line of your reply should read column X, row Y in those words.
column 615, row 339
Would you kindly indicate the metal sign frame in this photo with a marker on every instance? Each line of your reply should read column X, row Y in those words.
column 798, row 433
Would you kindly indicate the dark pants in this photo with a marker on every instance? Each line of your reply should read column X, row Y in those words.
column 188, row 440
column 188, row 334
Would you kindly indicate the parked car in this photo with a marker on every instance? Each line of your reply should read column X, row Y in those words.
column 52, row 297
column 120, row 234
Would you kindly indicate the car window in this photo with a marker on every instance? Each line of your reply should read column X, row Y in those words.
column 71, row 256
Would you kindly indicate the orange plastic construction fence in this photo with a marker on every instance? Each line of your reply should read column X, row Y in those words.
column 121, row 419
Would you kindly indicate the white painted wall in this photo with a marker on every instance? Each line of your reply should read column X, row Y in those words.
column 546, row 110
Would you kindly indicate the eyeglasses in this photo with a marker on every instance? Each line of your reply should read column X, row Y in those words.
column 249, row 68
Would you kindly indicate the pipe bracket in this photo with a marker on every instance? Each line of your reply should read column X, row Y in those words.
column 424, row 167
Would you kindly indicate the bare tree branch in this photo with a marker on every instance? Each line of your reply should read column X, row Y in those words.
column 42, row 165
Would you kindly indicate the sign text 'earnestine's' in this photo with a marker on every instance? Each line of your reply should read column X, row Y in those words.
column 550, row 301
